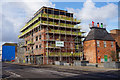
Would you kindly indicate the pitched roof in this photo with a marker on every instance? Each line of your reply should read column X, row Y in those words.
column 98, row 34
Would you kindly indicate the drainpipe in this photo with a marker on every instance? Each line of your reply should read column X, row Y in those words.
column 96, row 51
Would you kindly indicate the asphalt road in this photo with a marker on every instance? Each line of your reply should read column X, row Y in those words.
column 21, row 71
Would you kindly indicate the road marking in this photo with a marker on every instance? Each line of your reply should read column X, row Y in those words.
column 13, row 73
column 56, row 72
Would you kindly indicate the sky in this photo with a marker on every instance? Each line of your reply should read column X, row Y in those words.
column 14, row 14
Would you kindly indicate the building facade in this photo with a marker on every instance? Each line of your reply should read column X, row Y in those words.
column 99, row 46
column 116, row 35
column 52, row 35
column 20, row 52
column 1, row 53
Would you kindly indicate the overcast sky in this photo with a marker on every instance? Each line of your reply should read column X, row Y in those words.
column 16, row 14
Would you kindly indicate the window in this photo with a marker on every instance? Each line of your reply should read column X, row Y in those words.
column 36, row 46
column 36, row 30
column 104, row 43
column 39, row 36
column 40, row 46
column 32, row 51
column 39, row 28
column 98, row 44
column 32, row 33
column 32, row 48
column 119, row 54
column 36, row 38
column 26, row 49
column 112, row 44
column 32, row 39
column 26, row 42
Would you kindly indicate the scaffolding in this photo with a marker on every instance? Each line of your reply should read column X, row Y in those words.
column 20, row 51
column 48, row 28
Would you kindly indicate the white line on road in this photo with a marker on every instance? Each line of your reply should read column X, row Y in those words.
column 52, row 71
column 13, row 73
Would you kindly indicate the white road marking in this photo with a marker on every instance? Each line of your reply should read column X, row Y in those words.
column 17, row 75
column 51, row 71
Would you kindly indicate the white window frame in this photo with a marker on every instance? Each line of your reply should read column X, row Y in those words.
column 112, row 44
column 98, row 43
column 105, row 44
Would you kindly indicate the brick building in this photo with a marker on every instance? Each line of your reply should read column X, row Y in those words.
column 52, row 35
column 116, row 35
column 99, row 46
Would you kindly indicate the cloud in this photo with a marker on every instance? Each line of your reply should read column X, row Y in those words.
column 31, row 7
column 16, row 14
column 90, row 12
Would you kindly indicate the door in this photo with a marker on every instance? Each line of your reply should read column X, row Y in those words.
column 105, row 58
column 39, row 60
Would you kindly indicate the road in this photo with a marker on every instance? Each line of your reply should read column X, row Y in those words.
column 21, row 71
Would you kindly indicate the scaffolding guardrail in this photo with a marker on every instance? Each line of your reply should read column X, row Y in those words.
column 46, row 22
column 64, row 54
column 50, row 16
column 60, row 17
column 27, row 24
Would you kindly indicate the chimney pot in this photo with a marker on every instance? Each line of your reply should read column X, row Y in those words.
column 98, row 24
column 92, row 23
column 101, row 25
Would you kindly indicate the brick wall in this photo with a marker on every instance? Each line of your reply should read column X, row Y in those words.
column 94, row 54
column 90, row 51
column 101, row 51
column 116, row 35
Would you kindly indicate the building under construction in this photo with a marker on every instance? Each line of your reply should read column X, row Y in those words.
column 52, row 35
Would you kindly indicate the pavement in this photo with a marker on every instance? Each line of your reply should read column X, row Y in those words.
column 23, row 71
column 85, row 68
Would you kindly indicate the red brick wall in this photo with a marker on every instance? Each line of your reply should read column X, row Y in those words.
column 116, row 35
column 94, row 54
column 101, row 51
column 68, row 46
column 90, row 51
